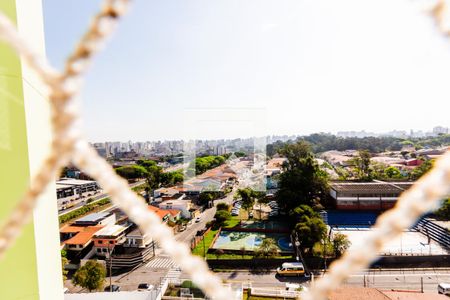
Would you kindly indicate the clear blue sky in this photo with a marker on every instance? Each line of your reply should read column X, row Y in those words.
column 307, row 66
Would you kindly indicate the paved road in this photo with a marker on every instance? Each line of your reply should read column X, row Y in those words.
column 96, row 198
column 408, row 279
column 162, row 265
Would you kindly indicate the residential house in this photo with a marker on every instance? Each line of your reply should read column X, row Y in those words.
column 183, row 206
column 78, row 238
column 137, row 239
column 109, row 237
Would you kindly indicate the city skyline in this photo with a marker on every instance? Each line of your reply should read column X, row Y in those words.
column 417, row 133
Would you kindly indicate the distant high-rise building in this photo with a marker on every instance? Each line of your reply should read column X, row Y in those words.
column 440, row 130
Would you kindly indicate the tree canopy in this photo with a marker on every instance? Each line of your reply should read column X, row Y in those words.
column 321, row 142
column 90, row 276
column 340, row 244
column 443, row 212
column 309, row 226
column 132, row 172
column 202, row 164
column 267, row 249
column 362, row 166
column 248, row 197
column 422, row 169
column 222, row 216
column 303, row 181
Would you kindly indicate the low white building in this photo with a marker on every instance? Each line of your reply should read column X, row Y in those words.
column 137, row 239
column 182, row 205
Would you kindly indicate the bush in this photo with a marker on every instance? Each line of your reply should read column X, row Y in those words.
column 82, row 210
column 223, row 206
column 188, row 284
column 90, row 276
column 222, row 216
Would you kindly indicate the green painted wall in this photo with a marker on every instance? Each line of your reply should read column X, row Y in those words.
column 18, row 273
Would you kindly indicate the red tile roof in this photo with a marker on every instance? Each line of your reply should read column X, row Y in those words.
column 71, row 229
column 83, row 236
column 174, row 212
column 160, row 212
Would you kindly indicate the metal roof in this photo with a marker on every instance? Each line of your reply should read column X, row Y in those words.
column 94, row 217
column 375, row 187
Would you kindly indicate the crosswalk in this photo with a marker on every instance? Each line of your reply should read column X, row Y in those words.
column 161, row 263
column 174, row 273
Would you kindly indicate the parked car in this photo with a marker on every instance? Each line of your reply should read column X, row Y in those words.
column 235, row 213
column 182, row 228
column 112, row 288
column 444, row 288
column 145, row 287
column 250, row 215
column 198, row 219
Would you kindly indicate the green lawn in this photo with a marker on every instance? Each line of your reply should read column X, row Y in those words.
column 233, row 222
column 199, row 250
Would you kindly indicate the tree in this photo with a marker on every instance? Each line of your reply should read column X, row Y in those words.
column 340, row 244
column 267, row 249
column 218, row 253
column 310, row 227
column 222, row 216
column 240, row 154
column 90, row 276
column 262, row 200
column 208, row 196
column 223, row 206
column 64, row 262
column 242, row 249
column 362, row 166
column 392, row 173
column 303, row 181
column 132, row 172
column 299, row 213
column 248, row 197
column 146, row 163
column 422, row 169
column 444, row 211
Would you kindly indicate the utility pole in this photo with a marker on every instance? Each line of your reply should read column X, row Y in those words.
column 204, row 250
column 110, row 251
column 299, row 254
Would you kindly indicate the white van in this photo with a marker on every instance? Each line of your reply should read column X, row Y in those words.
column 444, row 288
column 291, row 269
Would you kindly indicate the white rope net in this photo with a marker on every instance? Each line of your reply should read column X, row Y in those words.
column 69, row 145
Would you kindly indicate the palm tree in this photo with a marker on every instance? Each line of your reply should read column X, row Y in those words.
column 267, row 249
column 262, row 199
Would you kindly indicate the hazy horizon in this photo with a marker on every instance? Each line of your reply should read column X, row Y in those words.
column 268, row 135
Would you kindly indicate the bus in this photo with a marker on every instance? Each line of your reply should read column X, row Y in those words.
column 291, row 269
